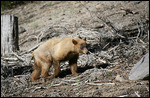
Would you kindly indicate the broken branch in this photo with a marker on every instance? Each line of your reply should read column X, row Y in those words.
column 101, row 83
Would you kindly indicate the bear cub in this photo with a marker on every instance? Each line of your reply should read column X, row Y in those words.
column 52, row 52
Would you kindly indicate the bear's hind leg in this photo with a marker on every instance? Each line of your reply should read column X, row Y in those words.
column 36, row 72
column 45, row 70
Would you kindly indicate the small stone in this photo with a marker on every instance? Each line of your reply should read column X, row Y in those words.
column 119, row 78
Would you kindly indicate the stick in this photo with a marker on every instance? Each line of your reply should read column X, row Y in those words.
column 113, row 48
column 101, row 83
column 40, row 36
column 10, row 59
column 20, row 58
column 70, row 80
column 30, row 37
column 34, row 47
column 56, row 84
column 141, row 41
column 31, row 48
column 18, row 76
column 123, row 96
column 121, row 36
column 106, row 45
column 111, row 28
column 38, row 88
column 137, row 93
column 138, row 33
column 106, row 25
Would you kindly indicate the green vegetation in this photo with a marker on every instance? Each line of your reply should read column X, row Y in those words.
column 35, row 25
column 12, row 4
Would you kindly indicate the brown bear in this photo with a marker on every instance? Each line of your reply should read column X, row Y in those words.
column 52, row 52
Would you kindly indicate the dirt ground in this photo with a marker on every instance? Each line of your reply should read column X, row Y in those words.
column 117, row 33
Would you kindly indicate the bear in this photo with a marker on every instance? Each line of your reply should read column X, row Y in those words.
column 54, row 51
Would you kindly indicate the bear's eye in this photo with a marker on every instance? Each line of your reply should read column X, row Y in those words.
column 82, row 46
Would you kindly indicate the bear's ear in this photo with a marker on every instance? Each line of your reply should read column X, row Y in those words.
column 74, row 42
column 84, row 38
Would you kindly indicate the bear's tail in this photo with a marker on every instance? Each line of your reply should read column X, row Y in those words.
column 31, row 57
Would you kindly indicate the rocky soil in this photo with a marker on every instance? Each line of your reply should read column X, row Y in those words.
column 117, row 34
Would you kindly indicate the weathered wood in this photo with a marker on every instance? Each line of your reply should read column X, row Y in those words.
column 9, row 34
column 140, row 69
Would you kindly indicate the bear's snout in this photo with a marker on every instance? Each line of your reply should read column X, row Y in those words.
column 85, row 51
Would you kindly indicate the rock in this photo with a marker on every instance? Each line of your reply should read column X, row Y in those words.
column 98, row 6
column 140, row 69
column 120, row 78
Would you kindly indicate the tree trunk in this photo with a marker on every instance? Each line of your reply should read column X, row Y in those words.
column 9, row 34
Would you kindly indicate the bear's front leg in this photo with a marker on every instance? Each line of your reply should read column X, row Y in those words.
column 56, row 65
column 73, row 66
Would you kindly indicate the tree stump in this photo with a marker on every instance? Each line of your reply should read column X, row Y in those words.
column 9, row 34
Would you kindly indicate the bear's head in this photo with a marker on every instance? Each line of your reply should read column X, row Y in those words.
column 80, row 45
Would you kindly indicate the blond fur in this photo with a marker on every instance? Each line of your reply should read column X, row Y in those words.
column 52, row 52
